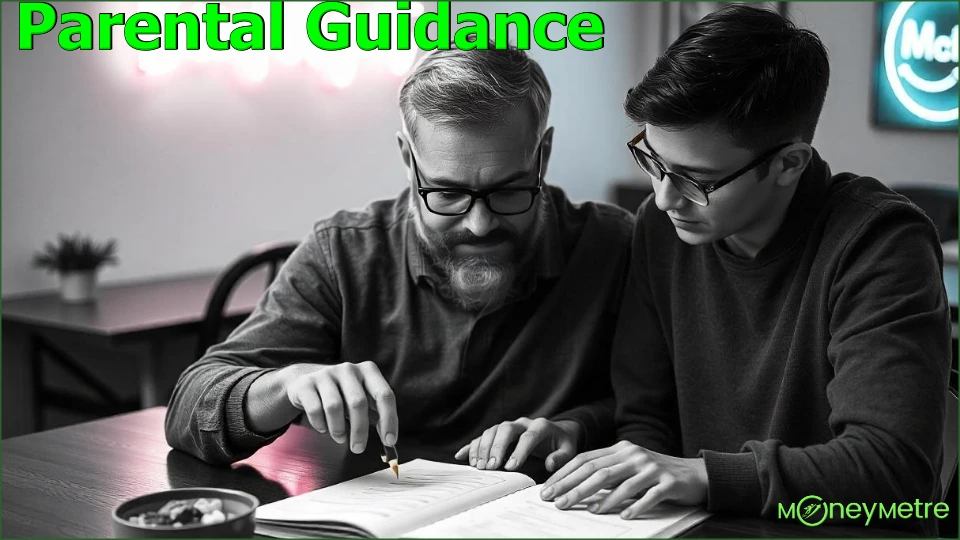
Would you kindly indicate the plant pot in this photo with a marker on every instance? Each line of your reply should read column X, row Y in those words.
column 78, row 287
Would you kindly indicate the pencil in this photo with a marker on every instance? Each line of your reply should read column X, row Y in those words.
column 389, row 455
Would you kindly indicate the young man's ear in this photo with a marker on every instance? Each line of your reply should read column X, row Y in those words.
column 793, row 161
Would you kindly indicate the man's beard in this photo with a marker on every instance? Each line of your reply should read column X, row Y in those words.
column 477, row 282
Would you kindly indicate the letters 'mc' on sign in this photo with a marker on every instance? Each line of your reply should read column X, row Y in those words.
column 916, row 76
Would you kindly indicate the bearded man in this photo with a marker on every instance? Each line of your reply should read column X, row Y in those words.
column 478, row 305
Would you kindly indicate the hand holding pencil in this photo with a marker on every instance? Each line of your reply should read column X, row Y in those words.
column 345, row 399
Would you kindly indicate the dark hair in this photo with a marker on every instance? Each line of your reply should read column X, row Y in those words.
column 748, row 70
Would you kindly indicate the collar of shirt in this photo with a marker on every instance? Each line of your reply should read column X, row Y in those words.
column 550, row 257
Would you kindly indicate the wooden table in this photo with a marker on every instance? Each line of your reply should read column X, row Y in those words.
column 65, row 482
column 137, row 317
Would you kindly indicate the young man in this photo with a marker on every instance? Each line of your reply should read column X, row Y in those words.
column 478, row 295
column 785, row 330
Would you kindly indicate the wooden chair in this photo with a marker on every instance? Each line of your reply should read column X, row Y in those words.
column 271, row 254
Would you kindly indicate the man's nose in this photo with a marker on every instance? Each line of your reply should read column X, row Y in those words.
column 480, row 220
column 667, row 196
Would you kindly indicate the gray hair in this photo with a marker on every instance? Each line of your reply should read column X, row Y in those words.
column 475, row 88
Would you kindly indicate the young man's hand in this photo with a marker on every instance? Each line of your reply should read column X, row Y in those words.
column 334, row 396
column 629, row 471
column 540, row 437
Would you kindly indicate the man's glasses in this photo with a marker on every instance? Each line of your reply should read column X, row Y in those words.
column 691, row 189
column 505, row 201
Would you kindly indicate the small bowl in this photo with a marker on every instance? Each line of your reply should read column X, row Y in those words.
column 242, row 505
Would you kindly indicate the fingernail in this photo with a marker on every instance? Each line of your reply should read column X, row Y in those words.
column 473, row 462
column 547, row 493
column 322, row 430
column 594, row 508
column 481, row 464
column 390, row 439
column 562, row 503
column 512, row 463
column 492, row 464
column 626, row 515
column 357, row 448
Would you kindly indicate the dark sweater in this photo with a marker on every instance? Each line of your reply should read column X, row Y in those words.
column 817, row 368
column 358, row 289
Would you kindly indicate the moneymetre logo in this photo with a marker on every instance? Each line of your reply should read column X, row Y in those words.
column 812, row 511
column 918, row 68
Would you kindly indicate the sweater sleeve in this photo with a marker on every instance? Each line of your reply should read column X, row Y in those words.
column 297, row 320
column 596, row 422
column 890, row 351
column 646, row 413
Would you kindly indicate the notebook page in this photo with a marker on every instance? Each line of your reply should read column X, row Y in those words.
column 525, row 515
column 379, row 503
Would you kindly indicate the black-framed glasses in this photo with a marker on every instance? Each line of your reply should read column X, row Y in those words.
column 505, row 201
column 691, row 189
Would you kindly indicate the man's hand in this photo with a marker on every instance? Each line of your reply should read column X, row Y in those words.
column 333, row 396
column 629, row 471
column 541, row 437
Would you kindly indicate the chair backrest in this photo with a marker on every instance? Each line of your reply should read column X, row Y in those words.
column 948, row 472
column 272, row 255
column 939, row 203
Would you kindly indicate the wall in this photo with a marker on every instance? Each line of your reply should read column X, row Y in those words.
column 845, row 136
column 188, row 170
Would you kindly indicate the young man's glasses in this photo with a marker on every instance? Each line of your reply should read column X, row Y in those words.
column 505, row 201
column 691, row 189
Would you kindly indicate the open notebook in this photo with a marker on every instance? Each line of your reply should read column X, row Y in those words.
column 439, row 500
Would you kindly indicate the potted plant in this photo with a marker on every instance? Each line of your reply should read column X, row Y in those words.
column 76, row 259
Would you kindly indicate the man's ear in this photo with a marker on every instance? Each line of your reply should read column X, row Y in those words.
column 547, row 148
column 793, row 161
column 404, row 148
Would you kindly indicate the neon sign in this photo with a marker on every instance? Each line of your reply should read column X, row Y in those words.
column 917, row 79
column 340, row 68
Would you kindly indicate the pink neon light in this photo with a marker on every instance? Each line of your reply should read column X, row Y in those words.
column 340, row 68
